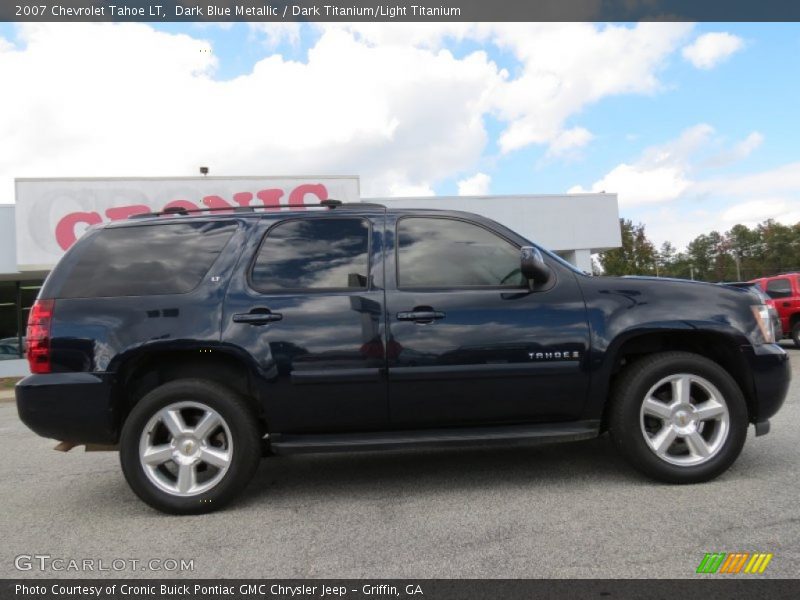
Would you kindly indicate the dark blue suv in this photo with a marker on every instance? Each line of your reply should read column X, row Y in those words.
column 197, row 343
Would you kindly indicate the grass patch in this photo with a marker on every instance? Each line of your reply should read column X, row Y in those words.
column 8, row 383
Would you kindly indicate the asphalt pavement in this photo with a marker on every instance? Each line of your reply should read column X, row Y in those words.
column 562, row 510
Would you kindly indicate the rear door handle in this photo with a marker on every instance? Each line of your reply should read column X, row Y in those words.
column 420, row 316
column 787, row 303
column 257, row 317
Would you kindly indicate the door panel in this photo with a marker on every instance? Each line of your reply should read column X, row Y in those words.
column 490, row 355
column 781, row 291
column 321, row 353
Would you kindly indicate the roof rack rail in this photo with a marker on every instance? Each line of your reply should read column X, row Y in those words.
column 185, row 212
column 180, row 210
column 357, row 205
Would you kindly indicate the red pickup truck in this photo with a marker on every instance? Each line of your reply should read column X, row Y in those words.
column 784, row 293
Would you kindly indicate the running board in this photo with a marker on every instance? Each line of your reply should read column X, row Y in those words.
column 432, row 438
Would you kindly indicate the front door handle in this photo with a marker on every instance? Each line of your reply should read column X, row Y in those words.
column 257, row 316
column 420, row 316
column 787, row 303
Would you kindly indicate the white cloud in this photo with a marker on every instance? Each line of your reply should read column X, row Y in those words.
column 710, row 49
column 666, row 189
column 477, row 185
column 739, row 151
column 419, row 35
column 400, row 117
column 747, row 199
column 748, row 145
column 568, row 141
column 409, row 190
column 680, row 225
column 660, row 174
column 274, row 33
column 563, row 67
column 386, row 101
column 567, row 66
column 636, row 184
column 755, row 211
column 782, row 181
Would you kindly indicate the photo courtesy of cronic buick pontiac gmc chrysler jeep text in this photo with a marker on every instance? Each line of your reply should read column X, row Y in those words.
column 198, row 343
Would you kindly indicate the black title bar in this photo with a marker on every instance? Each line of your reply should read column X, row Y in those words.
column 742, row 588
column 398, row 10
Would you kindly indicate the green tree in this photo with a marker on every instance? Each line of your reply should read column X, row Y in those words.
column 745, row 247
column 636, row 256
column 700, row 255
column 666, row 259
column 742, row 253
column 779, row 247
column 680, row 267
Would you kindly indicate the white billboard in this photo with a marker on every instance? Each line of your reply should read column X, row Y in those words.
column 52, row 213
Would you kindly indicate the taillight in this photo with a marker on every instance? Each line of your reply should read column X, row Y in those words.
column 38, row 335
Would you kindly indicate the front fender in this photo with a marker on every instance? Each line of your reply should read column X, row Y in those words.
column 663, row 314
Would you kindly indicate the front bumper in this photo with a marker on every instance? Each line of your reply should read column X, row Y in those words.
column 771, row 371
column 73, row 407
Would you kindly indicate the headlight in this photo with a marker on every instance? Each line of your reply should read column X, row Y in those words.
column 764, row 320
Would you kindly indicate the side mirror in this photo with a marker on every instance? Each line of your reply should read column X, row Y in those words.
column 532, row 265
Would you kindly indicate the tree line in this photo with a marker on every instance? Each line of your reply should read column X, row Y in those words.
column 740, row 254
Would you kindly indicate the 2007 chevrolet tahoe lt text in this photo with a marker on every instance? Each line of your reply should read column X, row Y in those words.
column 201, row 342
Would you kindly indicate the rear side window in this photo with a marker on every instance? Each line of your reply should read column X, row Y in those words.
column 446, row 253
column 779, row 288
column 168, row 258
column 313, row 254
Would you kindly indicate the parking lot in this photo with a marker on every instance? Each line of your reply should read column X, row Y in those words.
column 568, row 510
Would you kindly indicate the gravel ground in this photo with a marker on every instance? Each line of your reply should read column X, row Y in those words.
column 563, row 510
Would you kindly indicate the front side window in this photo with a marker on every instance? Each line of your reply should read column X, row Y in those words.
column 779, row 288
column 447, row 253
column 313, row 254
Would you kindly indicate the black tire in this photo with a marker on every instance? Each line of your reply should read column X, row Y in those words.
column 796, row 334
column 627, row 398
column 245, row 449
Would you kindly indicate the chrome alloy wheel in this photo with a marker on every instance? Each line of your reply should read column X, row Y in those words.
column 186, row 448
column 684, row 420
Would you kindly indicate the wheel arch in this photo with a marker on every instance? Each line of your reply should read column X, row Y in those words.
column 719, row 346
column 149, row 368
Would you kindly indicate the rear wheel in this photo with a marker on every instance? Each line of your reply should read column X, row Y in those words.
column 678, row 417
column 189, row 446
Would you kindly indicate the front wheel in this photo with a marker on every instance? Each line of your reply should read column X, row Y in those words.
column 189, row 446
column 678, row 417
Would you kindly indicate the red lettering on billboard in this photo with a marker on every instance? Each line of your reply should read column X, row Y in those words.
column 297, row 197
column 218, row 204
column 65, row 230
column 270, row 199
column 123, row 212
column 185, row 204
column 243, row 198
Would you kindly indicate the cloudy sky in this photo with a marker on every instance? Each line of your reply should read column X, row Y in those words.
column 694, row 126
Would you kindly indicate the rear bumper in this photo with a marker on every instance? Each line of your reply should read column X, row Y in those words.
column 769, row 364
column 74, row 407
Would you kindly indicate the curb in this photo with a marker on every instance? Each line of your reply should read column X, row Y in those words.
column 7, row 396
